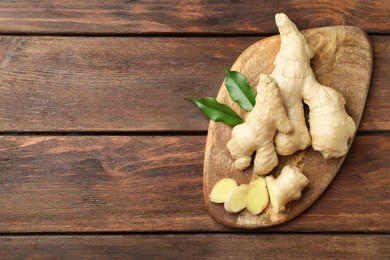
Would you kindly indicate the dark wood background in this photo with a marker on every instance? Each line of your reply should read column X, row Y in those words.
column 100, row 156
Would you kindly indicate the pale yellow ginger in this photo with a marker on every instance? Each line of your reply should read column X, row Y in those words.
column 330, row 125
column 258, row 131
column 287, row 187
column 221, row 189
column 257, row 196
column 236, row 199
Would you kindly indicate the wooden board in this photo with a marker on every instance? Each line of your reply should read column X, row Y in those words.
column 343, row 61
column 196, row 246
column 58, row 84
column 185, row 16
column 154, row 184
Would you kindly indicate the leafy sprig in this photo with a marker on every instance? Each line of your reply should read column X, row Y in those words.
column 239, row 91
column 218, row 112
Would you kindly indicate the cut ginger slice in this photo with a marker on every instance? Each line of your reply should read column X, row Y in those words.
column 236, row 199
column 257, row 196
column 221, row 189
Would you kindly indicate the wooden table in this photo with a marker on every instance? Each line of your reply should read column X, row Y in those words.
column 101, row 157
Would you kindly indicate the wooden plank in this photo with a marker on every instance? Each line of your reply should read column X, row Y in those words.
column 220, row 246
column 152, row 183
column 378, row 96
column 132, row 84
column 186, row 16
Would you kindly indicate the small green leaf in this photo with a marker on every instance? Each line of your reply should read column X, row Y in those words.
column 239, row 89
column 217, row 112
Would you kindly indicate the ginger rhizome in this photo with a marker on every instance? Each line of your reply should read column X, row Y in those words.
column 283, row 114
column 221, row 189
column 290, row 72
column 330, row 125
column 258, row 131
column 287, row 187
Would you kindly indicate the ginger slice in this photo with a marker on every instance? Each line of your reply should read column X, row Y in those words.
column 257, row 196
column 221, row 189
column 236, row 199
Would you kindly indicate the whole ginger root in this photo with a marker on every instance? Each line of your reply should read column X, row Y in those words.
column 258, row 131
column 330, row 125
column 290, row 72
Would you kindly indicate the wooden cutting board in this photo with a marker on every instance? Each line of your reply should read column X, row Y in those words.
column 343, row 61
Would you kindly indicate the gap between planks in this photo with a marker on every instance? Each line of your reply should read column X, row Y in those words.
column 152, row 133
column 155, row 35
column 199, row 232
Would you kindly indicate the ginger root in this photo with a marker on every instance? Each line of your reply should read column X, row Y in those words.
column 257, row 196
column 221, row 189
column 287, row 187
column 330, row 125
column 236, row 199
column 258, row 131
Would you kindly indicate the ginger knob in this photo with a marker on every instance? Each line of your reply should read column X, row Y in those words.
column 287, row 187
column 257, row 133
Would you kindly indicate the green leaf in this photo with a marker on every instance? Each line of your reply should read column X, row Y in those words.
column 217, row 112
column 239, row 89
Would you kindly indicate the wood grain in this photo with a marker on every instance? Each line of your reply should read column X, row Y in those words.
column 378, row 97
column 108, row 84
column 198, row 246
column 151, row 183
column 342, row 55
column 154, row 183
column 186, row 16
